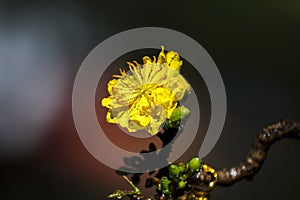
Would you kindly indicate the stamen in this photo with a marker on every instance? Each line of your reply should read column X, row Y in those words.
column 146, row 59
column 154, row 59
column 117, row 76
column 131, row 66
column 137, row 64
column 122, row 72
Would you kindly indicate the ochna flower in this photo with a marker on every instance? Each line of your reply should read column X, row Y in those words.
column 146, row 96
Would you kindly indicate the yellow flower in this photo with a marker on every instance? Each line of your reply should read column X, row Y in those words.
column 147, row 95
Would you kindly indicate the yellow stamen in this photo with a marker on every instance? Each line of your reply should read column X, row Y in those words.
column 122, row 72
column 154, row 60
column 147, row 60
column 137, row 64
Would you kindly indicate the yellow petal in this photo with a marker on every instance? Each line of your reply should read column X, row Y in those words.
column 158, row 117
column 123, row 118
column 110, row 118
column 173, row 60
column 106, row 102
column 142, row 120
column 111, row 84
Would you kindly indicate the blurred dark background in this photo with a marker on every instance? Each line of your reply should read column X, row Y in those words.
column 255, row 45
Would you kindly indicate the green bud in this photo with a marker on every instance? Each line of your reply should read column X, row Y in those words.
column 181, row 184
column 181, row 167
column 194, row 165
column 167, row 193
column 165, row 183
column 179, row 116
column 174, row 171
column 184, row 177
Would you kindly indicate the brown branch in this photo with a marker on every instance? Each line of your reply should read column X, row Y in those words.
column 258, row 152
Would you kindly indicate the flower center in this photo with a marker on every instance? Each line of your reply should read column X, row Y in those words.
column 149, row 99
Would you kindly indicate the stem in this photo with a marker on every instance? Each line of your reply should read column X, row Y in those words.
column 258, row 152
